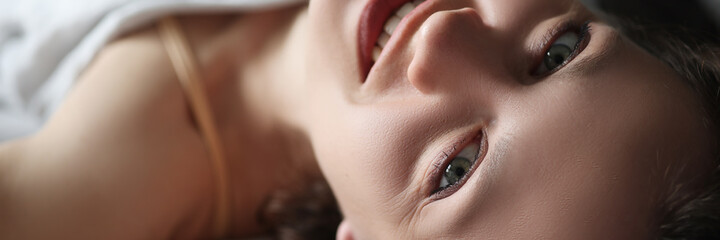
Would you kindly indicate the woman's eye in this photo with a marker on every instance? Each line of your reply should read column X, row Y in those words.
column 457, row 169
column 459, row 166
column 562, row 50
column 559, row 52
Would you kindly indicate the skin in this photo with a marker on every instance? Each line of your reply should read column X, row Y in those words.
column 123, row 153
column 573, row 155
column 576, row 154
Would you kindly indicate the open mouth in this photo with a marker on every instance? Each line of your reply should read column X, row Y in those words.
column 378, row 22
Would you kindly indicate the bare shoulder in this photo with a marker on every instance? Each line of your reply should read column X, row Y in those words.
column 119, row 154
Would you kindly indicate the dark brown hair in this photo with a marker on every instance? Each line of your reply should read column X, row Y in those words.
column 681, row 34
column 307, row 212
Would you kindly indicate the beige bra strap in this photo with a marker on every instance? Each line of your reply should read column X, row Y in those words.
column 189, row 75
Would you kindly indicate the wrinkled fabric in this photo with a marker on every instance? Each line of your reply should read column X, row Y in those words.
column 46, row 44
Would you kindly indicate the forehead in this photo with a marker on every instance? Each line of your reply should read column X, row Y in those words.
column 643, row 117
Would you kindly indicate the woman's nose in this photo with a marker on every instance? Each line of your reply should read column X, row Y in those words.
column 453, row 50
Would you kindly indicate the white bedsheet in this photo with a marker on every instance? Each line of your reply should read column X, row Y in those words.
column 46, row 44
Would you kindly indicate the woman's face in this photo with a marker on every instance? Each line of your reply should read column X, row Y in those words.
column 492, row 119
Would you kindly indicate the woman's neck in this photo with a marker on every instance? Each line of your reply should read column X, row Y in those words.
column 253, row 70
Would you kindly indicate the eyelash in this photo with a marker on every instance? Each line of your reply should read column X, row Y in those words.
column 583, row 32
column 438, row 171
column 553, row 35
column 445, row 160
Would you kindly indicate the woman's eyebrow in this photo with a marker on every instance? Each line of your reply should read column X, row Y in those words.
column 590, row 64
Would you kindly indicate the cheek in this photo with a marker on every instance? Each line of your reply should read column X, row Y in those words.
column 364, row 151
column 360, row 166
column 368, row 154
column 332, row 48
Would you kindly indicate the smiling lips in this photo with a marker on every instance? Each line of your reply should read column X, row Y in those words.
column 377, row 24
column 390, row 26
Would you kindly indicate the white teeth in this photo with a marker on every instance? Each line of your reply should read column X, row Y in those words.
column 383, row 40
column 391, row 24
column 376, row 53
column 405, row 10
